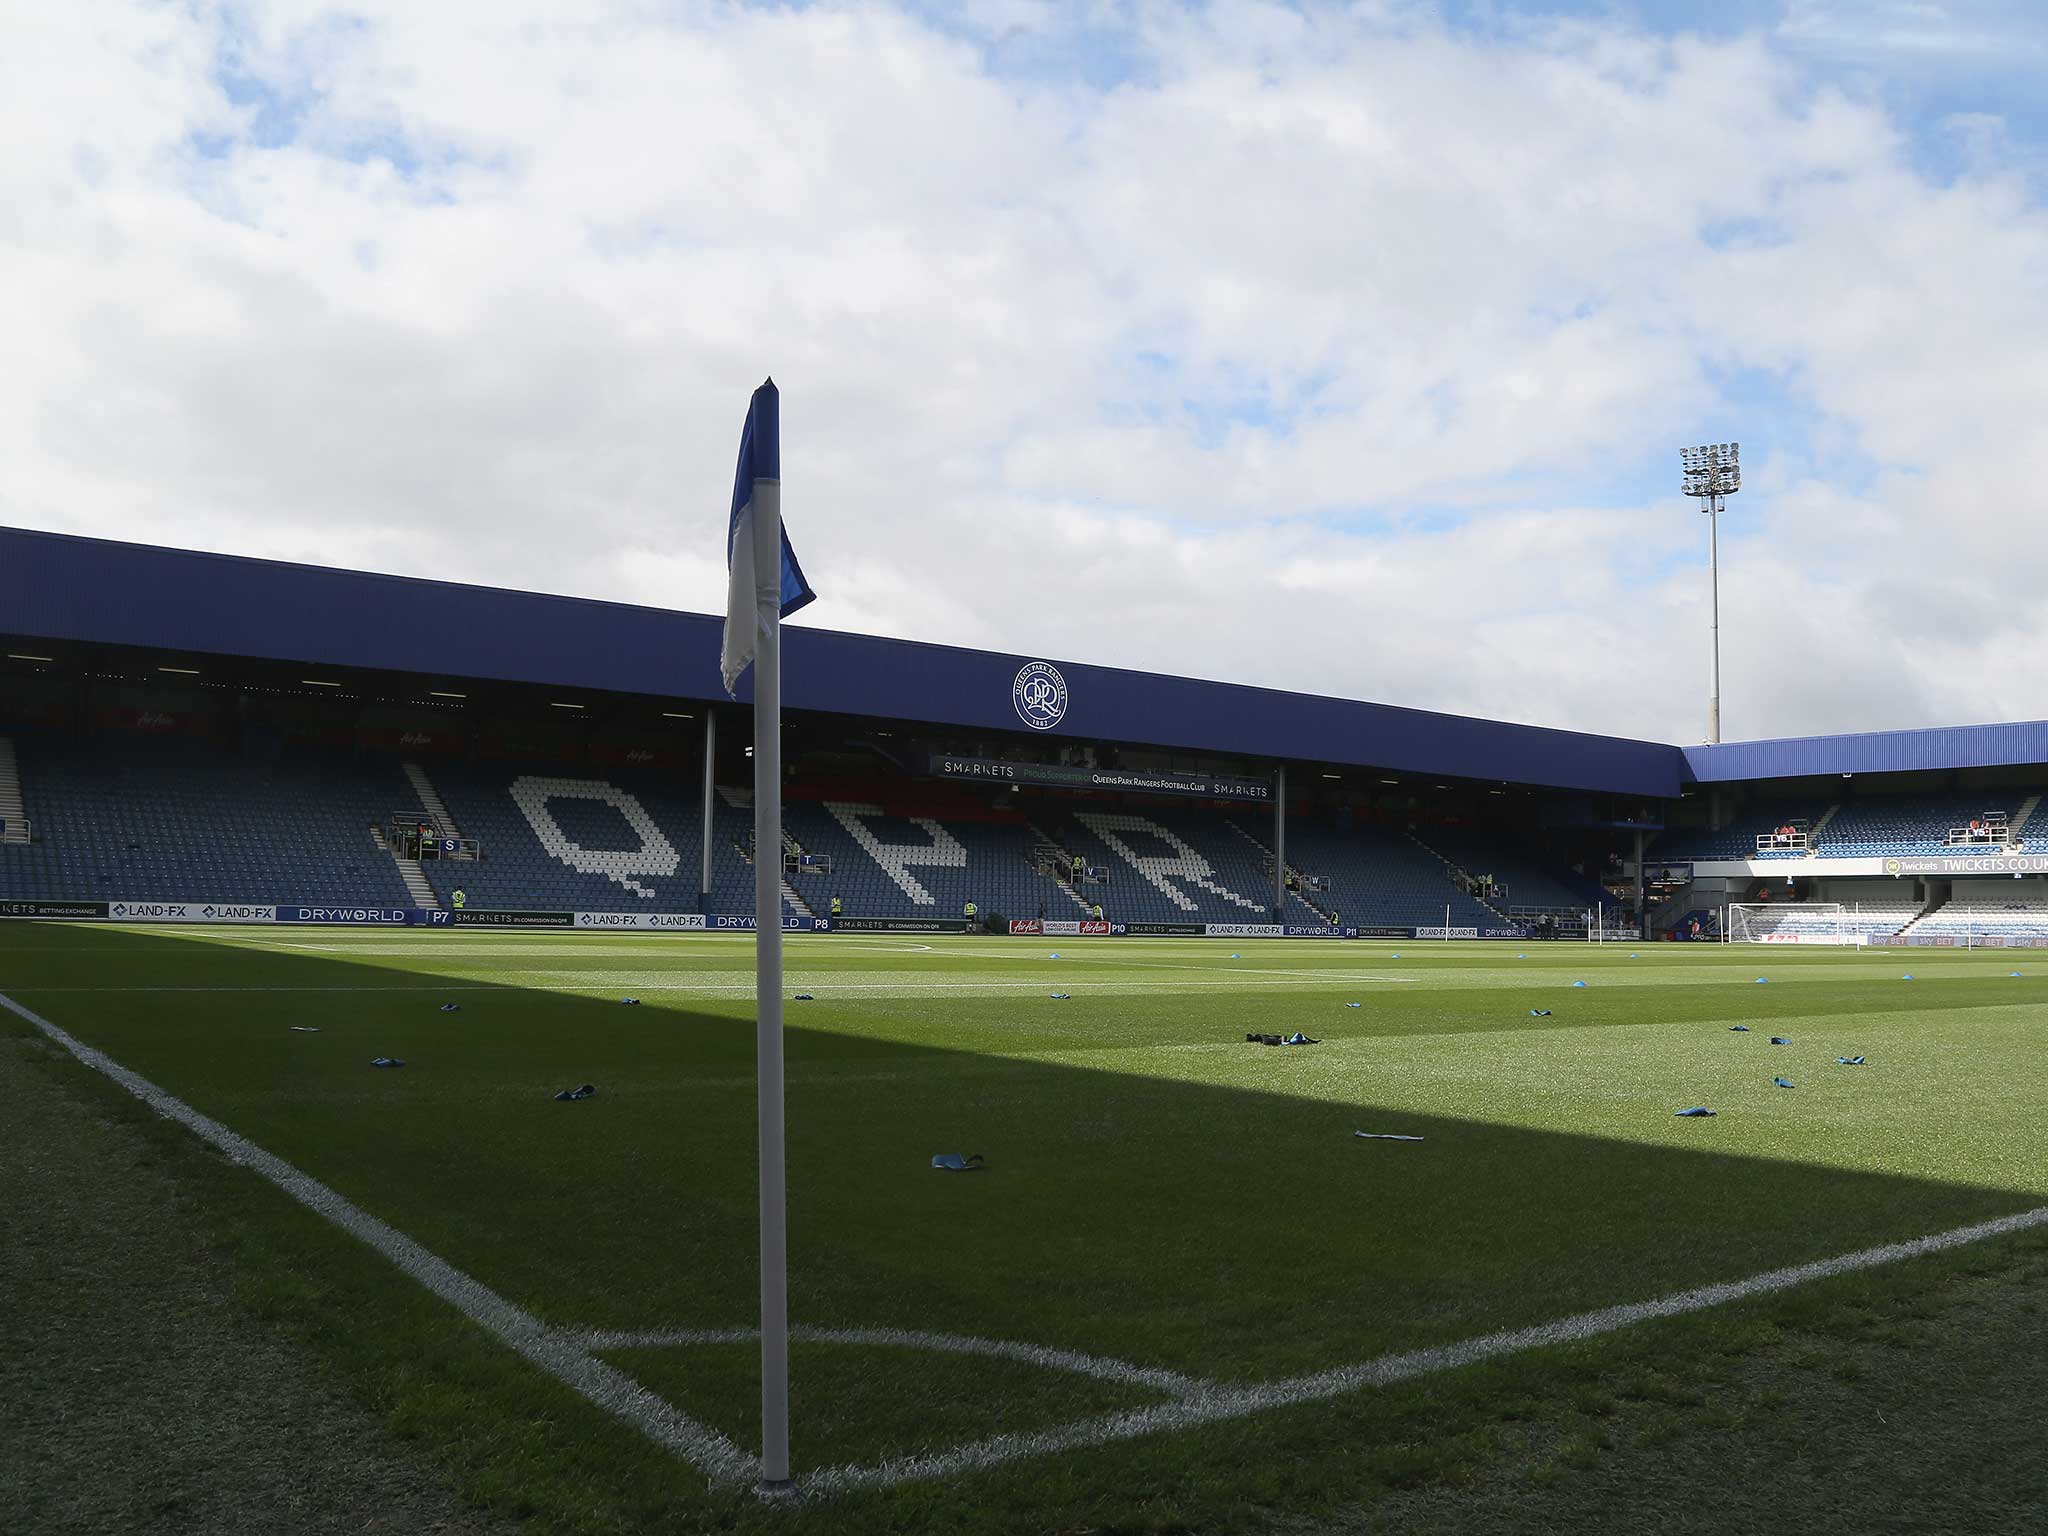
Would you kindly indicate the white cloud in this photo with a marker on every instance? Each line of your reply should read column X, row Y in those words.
column 1179, row 373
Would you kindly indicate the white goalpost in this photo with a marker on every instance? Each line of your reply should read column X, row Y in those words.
column 1809, row 922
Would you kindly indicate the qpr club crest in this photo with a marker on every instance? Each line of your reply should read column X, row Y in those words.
column 1040, row 694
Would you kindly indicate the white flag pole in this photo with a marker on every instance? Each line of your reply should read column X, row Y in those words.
column 767, row 501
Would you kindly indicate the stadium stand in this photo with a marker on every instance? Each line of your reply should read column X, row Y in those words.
column 1886, row 826
column 1961, row 919
column 183, row 820
column 1525, row 881
column 1738, row 840
column 1916, row 825
column 583, row 842
column 176, row 820
column 1381, row 878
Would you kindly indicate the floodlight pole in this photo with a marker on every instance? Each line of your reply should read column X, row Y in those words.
column 1713, row 473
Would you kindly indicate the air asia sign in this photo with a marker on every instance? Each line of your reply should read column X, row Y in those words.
column 685, row 922
column 1063, row 930
column 188, row 912
column 1051, row 775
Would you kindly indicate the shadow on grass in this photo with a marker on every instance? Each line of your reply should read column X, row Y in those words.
column 1230, row 1233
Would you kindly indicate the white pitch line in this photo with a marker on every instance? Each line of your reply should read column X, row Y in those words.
column 606, row 1386
column 1102, row 1368
column 1211, row 1405
column 569, row 1358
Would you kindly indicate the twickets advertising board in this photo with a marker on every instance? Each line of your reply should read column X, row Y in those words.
column 486, row 917
column 674, row 922
column 900, row 924
column 1976, row 864
column 53, row 909
column 188, row 912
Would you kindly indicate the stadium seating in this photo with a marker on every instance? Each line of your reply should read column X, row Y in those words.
column 174, row 820
column 1382, row 878
column 1525, row 881
column 1877, row 826
column 161, row 820
column 1961, row 919
column 1917, row 825
column 1737, row 840
column 555, row 840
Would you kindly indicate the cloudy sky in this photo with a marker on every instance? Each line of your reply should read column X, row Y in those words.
column 1345, row 348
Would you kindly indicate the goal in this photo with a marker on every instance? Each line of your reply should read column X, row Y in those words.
column 1809, row 922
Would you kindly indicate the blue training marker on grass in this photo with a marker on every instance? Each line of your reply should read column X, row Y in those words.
column 1907, row 977
column 1354, row 1005
column 1578, row 983
column 1780, row 1082
column 1849, row 1061
column 1761, row 980
column 1781, row 1039
column 451, row 1007
column 1695, row 1113
column 803, row 997
column 387, row 1061
column 1738, row 1029
column 1233, row 957
column 1063, row 997
column 1055, row 954
column 1539, row 1013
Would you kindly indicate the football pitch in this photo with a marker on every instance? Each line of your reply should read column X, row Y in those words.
column 1182, row 1287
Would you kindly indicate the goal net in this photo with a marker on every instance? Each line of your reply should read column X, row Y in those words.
column 1810, row 922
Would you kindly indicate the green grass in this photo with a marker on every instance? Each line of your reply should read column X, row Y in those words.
column 1159, row 1191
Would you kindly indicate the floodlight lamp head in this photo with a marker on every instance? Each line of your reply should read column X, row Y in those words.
column 1712, row 469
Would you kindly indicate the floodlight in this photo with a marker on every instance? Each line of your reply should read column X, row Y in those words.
column 1713, row 471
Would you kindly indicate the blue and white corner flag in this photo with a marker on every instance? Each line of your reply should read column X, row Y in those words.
column 754, row 599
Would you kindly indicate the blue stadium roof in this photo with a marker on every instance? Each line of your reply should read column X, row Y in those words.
column 97, row 592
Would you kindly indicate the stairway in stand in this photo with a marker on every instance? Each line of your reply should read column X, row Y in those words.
column 1300, row 891
column 410, row 872
column 14, row 827
column 1048, row 847
column 430, row 801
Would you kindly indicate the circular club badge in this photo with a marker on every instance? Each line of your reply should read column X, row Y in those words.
column 1040, row 694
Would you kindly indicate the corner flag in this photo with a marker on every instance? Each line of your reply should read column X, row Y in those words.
column 755, row 597
column 764, row 583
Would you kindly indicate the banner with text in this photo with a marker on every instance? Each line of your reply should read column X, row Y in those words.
column 676, row 922
column 1161, row 781
column 389, row 917
column 1244, row 930
column 1447, row 933
column 487, row 917
column 188, row 912
column 53, row 909
column 898, row 924
column 1169, row 930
